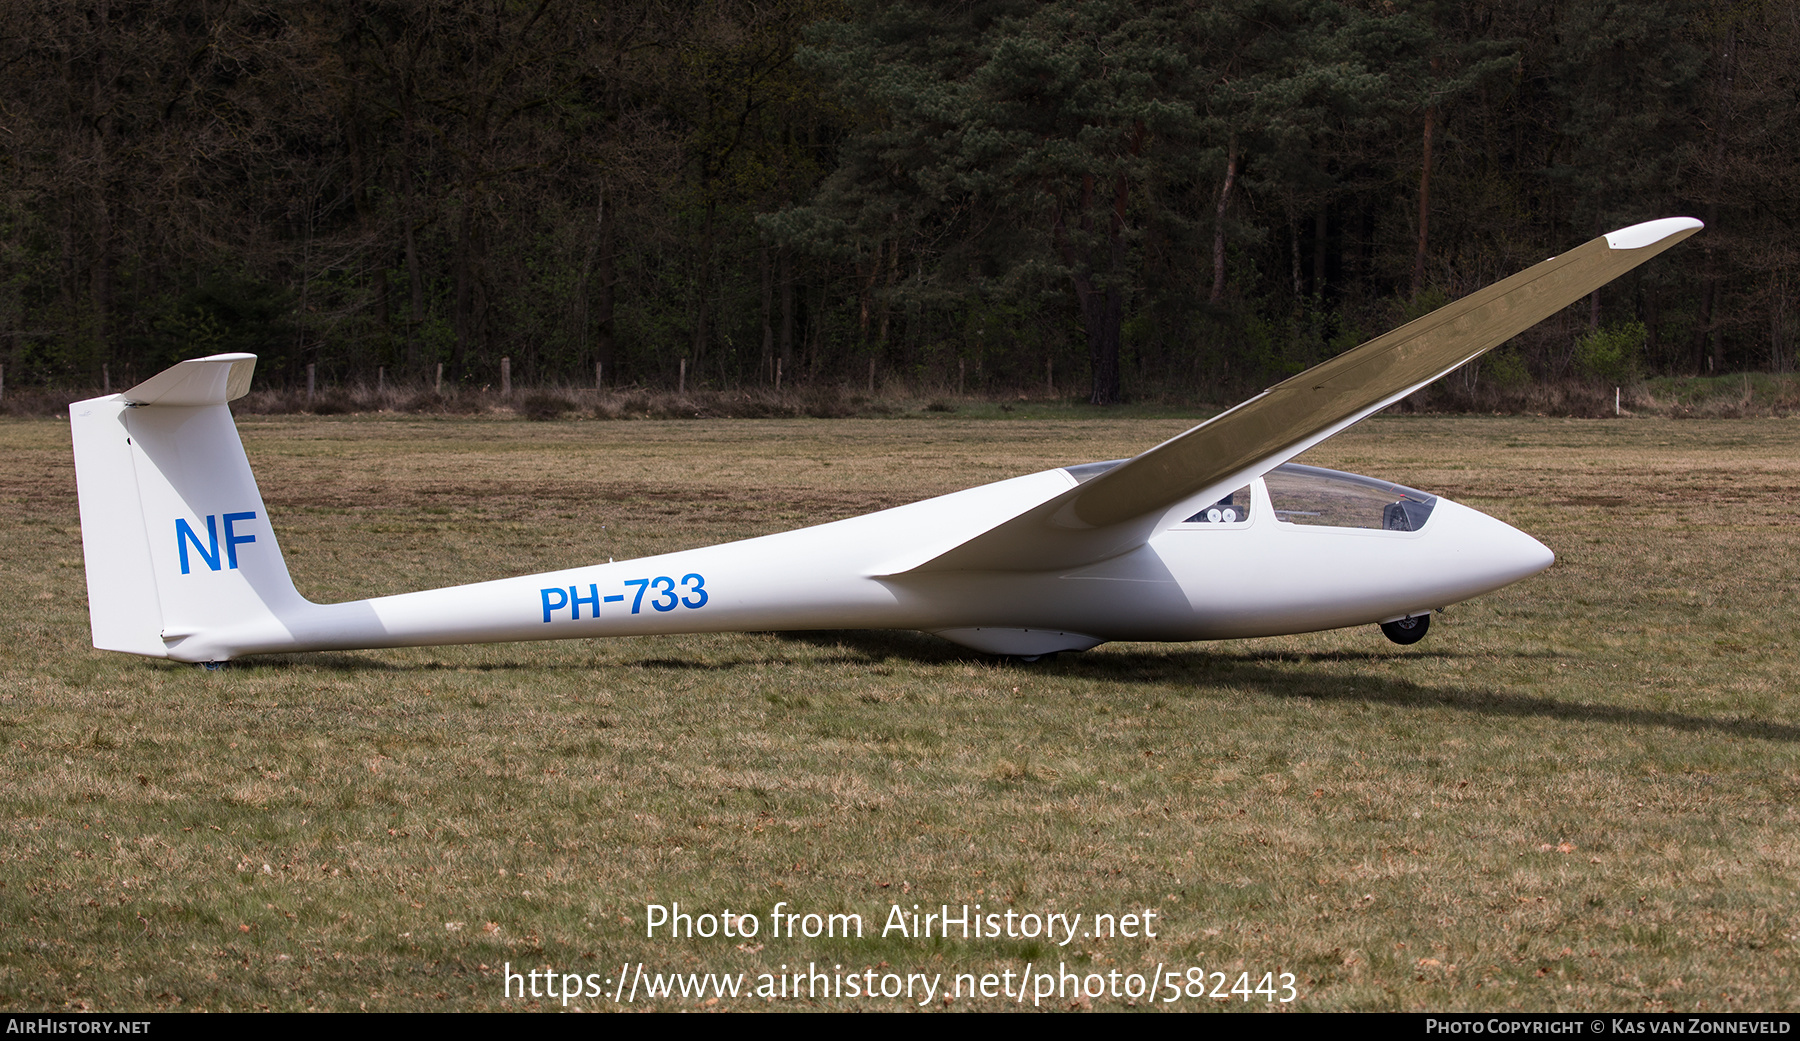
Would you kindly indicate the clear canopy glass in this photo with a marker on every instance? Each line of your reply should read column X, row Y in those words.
column 1333, row 498
column 1311, row 495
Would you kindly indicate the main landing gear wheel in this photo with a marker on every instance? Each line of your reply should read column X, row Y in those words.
column 1407, row 630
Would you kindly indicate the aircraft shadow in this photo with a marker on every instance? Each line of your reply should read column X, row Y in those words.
column 1192, row 665
column 339, row 661
column 1253, row 669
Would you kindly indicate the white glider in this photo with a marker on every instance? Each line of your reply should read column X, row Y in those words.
column 1210, row 535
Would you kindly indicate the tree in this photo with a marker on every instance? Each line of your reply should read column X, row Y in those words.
column 1020, row 132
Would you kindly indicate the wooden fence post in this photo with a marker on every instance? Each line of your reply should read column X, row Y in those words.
column 681, row 385
column 438, row 388
column 310, row 385
column 506, row 377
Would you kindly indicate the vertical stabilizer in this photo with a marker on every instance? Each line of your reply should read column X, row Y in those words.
column 175, row 535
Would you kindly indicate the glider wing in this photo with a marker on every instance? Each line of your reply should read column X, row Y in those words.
column 1123, row 507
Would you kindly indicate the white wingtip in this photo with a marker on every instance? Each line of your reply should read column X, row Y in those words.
column 1650, row 232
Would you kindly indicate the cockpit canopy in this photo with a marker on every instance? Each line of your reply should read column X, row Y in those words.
column 1312, row 495
column 1333, row 498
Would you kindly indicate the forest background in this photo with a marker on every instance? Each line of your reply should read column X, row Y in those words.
column 1150, row 200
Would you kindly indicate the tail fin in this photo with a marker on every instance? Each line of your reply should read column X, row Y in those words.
column 175, row 535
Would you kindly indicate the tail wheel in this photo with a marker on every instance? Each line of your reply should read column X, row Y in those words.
column 1407, row 630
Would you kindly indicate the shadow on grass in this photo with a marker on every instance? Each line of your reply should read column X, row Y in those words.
column 1495, row 703
column 1254, row 670
column 338, row 661
column 1261, row 671
column 1177, row 662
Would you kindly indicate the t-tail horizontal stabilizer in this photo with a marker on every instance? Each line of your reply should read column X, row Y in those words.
column 1122, row 508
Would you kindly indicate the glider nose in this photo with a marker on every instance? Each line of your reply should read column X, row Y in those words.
column 1525, row 555
column 1492, row 553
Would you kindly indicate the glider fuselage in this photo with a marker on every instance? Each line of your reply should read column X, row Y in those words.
column 1260, row 575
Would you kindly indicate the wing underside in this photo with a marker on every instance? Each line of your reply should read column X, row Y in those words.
column 1123, row 507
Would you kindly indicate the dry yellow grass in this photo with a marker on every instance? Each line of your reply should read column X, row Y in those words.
column 1576, row 793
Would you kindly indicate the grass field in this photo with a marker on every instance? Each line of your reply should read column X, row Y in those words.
column 1577, row 793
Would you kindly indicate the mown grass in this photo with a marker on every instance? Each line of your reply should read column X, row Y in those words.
column 1576, row 793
